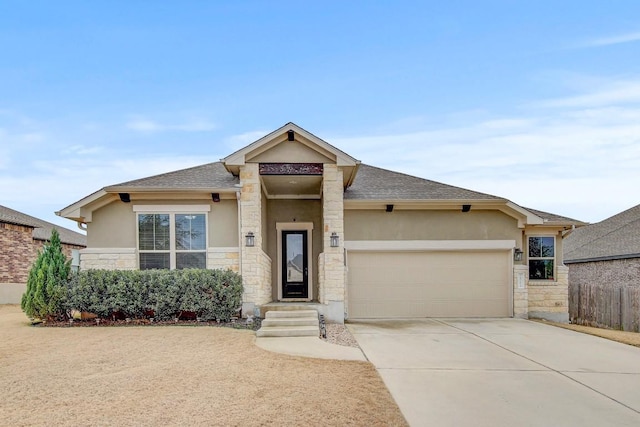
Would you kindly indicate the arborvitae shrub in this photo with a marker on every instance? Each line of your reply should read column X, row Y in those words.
column 45, row 294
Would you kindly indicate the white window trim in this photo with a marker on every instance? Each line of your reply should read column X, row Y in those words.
column 173, row 211
column 555, row 261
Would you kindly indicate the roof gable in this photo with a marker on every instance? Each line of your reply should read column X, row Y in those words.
column 267, row 142
column 614, row 237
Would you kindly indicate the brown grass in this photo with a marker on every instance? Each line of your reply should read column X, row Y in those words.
column 176, row 375
column 631, row 338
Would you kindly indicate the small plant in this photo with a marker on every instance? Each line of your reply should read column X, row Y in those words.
column 45, row 294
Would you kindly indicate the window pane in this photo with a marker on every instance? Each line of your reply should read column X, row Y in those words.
column 534, row 247
column 190, row 232
column 154, row 260
column 191, row 260
column 541, row 269
column 547, row 246
column 153, row 231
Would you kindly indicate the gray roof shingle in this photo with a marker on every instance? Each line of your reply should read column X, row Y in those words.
column 615, row 237
column 41, row 229
column 210, row 175
column 551, row 218
column 374, row 183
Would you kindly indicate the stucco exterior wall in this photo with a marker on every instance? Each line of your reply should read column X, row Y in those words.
column 429, row 225
column 293, row 211
column 114, row 225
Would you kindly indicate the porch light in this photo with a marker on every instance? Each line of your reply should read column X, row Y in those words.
column 517, row 254
column 250, row 239
column 335, row 240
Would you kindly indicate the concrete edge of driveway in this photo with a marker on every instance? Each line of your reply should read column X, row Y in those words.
column 309, row 347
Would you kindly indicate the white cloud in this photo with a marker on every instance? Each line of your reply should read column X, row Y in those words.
column 616, row 93
column 244, row 139
column 612, row 40
column 145, row 125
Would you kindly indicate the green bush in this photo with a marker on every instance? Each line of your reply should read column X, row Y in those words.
column 45, row 293
column 210, row 294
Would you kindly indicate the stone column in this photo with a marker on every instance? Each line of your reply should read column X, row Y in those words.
column 256, row 265
column 331, row 263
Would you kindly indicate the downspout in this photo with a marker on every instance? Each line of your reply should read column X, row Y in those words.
column 239, row 233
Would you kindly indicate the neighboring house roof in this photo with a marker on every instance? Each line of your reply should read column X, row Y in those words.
column 41, row 229
column 617, row 237
column 374, row 183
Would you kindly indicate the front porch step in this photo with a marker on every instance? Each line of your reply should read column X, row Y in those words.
column 288, row 331
column 296, row 323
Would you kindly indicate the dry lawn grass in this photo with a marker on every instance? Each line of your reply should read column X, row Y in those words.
column 631, row 338
column 176, row 375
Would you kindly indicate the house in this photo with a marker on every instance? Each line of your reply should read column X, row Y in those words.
column 21, row 237
column 604, row 267
column 304, row 222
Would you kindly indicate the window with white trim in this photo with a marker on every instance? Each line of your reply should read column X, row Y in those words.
column 542, row 252
column 172, row 240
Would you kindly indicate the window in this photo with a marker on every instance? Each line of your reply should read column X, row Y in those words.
column 541, row 258
column 172, row 240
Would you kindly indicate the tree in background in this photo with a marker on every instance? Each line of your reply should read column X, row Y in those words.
column 46, row 283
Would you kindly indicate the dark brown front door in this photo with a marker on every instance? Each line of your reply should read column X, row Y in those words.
column 295, row 264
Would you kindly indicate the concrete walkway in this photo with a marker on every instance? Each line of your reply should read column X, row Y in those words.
column 309, row 347
column 502, row 372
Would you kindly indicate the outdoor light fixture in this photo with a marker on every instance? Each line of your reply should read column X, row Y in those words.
column 517, row 254
column 466, row 208
column 250, row 239
column 215, row 197
column 290, row 136
column 389, row 208
column 335, row 240
column 124, row 197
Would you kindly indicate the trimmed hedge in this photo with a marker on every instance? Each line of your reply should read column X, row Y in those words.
column 162, row 294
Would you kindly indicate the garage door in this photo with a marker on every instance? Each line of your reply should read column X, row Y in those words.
column 429, row 284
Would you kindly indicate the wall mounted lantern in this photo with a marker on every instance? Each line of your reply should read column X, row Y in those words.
column 517, row 254
column 250, row 239
column 335, row 240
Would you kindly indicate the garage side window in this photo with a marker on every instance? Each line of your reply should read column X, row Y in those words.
column 169, row 241
column 542, row 258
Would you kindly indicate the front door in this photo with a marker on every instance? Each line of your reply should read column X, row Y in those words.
column 295, row 269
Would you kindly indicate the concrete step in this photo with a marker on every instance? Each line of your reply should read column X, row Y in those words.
column 293, row 313
column 290, row 321
column 289, row 331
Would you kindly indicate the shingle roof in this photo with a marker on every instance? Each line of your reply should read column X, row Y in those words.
column 374, row 183
column 41, row 229
column 210, row 175
column 615, row 237
column 551, row 218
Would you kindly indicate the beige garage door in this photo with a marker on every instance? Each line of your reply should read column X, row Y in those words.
column 429, row 284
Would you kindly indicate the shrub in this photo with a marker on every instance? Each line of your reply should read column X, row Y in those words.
column 211, row 294
column 45, row 293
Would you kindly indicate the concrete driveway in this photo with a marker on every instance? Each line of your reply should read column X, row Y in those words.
column 502, row 372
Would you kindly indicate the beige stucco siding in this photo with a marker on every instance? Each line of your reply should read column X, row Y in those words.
column 293, row 211
column 429, row 225
column 114, row 225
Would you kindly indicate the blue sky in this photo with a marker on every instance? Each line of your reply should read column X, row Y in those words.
column 537, row 102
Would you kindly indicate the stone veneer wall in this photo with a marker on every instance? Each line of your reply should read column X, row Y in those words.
column 109, row 259
column 256, row 264
column 520, row 291
column 331, row 275
column 224, row 258
column 550, row 301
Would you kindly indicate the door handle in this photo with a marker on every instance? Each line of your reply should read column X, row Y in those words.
column 306, row 273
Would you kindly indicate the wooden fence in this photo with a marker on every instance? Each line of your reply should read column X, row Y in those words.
column 615, row 307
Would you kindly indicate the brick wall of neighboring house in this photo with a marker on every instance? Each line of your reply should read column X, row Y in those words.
column 18, row 251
